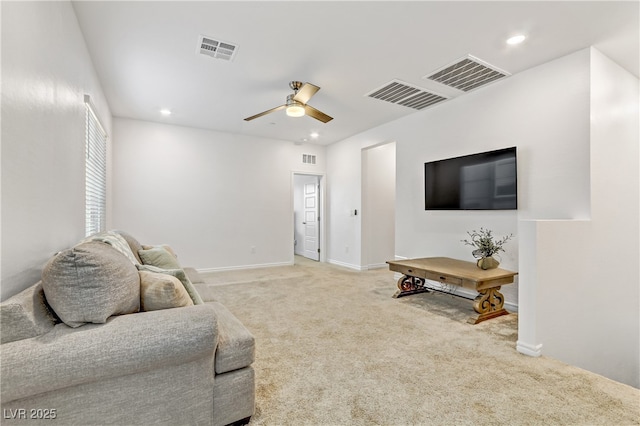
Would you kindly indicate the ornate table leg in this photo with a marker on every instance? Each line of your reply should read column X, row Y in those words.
column 409, row 285
column 489, row 304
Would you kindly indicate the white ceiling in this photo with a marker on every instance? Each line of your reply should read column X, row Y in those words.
column 145, row 54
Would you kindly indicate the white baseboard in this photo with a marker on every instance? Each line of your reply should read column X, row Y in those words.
column 235, row 268
column 528, row 349
column 346, row 265
column 510, row 306
column 376, row 266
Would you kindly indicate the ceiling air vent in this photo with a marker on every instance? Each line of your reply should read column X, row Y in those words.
column 216, row 48
column 401, row 93
column 467, row 74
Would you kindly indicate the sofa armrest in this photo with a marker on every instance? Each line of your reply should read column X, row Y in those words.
column 126, row 344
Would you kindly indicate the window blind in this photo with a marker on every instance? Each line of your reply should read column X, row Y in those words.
column 95, row 172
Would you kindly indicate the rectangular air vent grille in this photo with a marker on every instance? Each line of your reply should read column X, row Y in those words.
column 216, row 48
column 308, row 159
column 401, row 93
column 467, row 74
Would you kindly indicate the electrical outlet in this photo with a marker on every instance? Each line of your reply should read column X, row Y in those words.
column 253, row 249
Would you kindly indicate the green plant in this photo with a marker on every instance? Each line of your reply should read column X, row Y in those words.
column 484, row 242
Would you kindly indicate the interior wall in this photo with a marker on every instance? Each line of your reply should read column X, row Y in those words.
column 594, row 264
column 220, row 200
column 378, row 205
column 343, row 199
column 46, row 71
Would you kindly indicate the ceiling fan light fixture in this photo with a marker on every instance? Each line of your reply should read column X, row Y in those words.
column 295, row 111
column 294, row 108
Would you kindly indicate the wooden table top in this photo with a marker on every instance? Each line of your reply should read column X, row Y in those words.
column 453, row 267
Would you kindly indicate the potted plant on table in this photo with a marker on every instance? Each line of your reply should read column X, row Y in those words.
column 486, row 247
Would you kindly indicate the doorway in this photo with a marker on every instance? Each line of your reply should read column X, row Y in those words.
column 307, row 217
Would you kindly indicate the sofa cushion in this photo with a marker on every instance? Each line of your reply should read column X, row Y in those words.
column 116, row 241
column 162, row 291
column 160, row 257
column 134, row 245
column 25, row 315
column 236, row 345
column 179, row 274
column 167, row 247
column 90, row 282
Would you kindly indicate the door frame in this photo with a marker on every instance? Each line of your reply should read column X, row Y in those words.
column 321, row 211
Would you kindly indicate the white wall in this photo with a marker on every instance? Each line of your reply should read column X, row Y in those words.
column 378, row 205
column 584, row 286
column 220, row 200
column 343, row 197
column 46, row 71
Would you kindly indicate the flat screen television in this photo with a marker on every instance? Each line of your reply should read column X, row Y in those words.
column 484, row 181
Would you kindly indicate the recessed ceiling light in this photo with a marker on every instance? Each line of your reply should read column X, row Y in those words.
column 314, row 135
column 517, row 39
column 165, row 111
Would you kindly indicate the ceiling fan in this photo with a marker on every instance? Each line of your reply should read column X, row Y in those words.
column 296, row 105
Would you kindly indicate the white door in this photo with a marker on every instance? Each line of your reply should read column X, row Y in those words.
column 310, row 219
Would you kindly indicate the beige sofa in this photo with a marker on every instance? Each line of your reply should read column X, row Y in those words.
column 97, row 341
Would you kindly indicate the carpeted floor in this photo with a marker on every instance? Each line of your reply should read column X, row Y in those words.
column 334, row 348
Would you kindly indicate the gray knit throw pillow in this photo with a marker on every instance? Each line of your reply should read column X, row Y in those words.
column 91, row 282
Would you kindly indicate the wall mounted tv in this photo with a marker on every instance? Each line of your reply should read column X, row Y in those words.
column 484, row 181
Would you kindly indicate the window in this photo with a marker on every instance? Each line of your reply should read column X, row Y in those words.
column 95, row 172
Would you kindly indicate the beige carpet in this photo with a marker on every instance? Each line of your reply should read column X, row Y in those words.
column 333, row 348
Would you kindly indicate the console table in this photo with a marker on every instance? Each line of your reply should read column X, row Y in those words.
column 488, row 304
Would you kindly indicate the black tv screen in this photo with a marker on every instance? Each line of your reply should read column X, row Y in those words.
column 484, row 181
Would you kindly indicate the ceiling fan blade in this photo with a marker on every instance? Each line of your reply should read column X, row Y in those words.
column 318, row 115
column 306, row 92
column 265, row 112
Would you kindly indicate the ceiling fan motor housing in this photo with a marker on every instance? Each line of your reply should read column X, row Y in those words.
column 291, row 101
column 295, row 85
